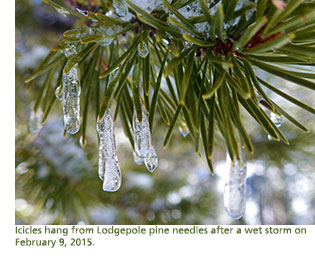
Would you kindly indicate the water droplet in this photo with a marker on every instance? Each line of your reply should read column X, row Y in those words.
column 183, row 129
column 58, row 92
column 70, row 50
column 235, row 189
column 151, row 161
column 35, row 121
column 83, row 12
column 105, row 42
column 71, row 101
column 137, row 160
column 108, row 170
column 63, row 12
column 120, row 7
column 143, row 50
column 276, row 119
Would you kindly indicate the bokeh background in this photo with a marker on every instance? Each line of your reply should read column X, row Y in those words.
column 57, row 181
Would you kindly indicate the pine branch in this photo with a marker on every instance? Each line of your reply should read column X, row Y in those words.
column 206, row 60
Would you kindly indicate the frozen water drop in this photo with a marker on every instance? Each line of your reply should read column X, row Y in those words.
column 113, row 75
column 35, row 121
column 138, row 160
column 58, row 92
column 276, row 119
column 83, row 12
column 143, row 50
column 183, row 129
column 71, row 101
column 106, row 41
column 120, row 7
column 151, row 161
column 235, row 189
column 62, row 12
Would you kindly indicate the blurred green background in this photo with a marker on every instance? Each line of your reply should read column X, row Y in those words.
column 57, row 181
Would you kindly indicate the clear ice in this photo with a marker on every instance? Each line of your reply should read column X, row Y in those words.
column 148, row 5
column 63, row 12
column 143, row 50
column 120, row 7
column 142, row 141
column 70, row 50
column 108, row 35
column 35, row 121
column 104, row 42
column 71, row 90
column 151, row 161
column 235, row 188
column 136, row 159
column 108, row 167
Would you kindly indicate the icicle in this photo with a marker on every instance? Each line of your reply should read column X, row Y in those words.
column 235, row 188
column 108, row 169
column 277, row 120
column 71, row 101
column 121, row 8
column 35, row 121
column 58, row 92
column 183, row 129
column 142, row 141
column 136, row 159
column 143, row 49
column 83, row 12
